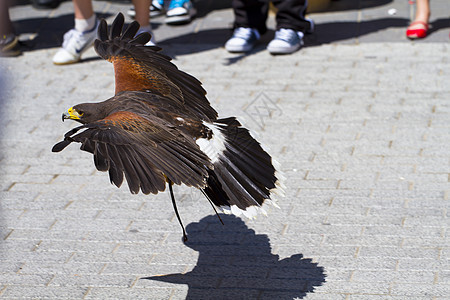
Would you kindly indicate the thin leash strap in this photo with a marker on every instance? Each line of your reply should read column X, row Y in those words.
column 176, row 210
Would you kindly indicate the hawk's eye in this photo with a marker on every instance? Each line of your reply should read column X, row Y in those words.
column 80, row 113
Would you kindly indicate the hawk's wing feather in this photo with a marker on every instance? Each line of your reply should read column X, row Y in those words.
column 143, row 68
column 131, row 31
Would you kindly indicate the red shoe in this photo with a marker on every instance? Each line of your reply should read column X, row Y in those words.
column 417, row 33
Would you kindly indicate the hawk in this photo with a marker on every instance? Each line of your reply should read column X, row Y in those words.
column 159, row 128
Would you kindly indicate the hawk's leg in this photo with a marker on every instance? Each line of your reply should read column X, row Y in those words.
column 176, row 210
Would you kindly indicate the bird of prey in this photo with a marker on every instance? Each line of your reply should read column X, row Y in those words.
column 160, row 128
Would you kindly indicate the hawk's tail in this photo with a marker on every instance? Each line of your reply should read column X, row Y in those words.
column 244, row 176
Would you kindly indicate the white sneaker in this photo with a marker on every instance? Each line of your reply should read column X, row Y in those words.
column 243, row 40
column 75, row 43
column 286, row 41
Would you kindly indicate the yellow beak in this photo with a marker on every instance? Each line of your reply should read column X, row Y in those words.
column 71, row 114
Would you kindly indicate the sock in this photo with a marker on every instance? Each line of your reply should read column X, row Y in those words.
column 83, row 25
column 147, row 28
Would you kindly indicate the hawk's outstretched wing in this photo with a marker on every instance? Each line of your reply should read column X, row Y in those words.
column 139, row 68
column 146, row 152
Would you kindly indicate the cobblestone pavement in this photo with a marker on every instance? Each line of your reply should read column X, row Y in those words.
column 359, row 120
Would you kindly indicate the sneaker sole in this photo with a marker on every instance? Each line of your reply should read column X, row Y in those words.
column 276, row 50
column 67, row 62
column 232, row 49
column 175, row 20
column 181, row 19
column 156, row 14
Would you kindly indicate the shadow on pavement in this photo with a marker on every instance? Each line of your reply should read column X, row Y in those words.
column 236, row 263
column 204, row 7
column 324, row 33
column 48, row 32
column 342, row 5
column 438, row 24
column 338, row 31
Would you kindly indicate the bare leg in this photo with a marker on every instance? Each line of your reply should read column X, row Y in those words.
column 418, row 29
column 422, row 13
column 6, row 26
column 83, row 9
column 142, row 8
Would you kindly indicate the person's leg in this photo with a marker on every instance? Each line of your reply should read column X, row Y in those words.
column 83, row 9
column 251, row 14
column 6, row 26
column 85, row 18
column 142, row 8
column 156, row 9
column 291, row 15
column 422, row 11
column 419, row 27
column 79, row 39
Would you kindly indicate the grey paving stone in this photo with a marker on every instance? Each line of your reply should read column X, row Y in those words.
column 131, row 293
column 360, row 128
column 43, row 292
column 423, row 290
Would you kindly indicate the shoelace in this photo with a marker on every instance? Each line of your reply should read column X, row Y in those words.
column 243, row 33
column 177, row 3
column 287, row 35
column 69, row 35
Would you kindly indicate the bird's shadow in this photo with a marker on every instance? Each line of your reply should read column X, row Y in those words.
column 236, row 263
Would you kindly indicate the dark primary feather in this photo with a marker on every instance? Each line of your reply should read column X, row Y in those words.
column 131, row 30
column 116, row 27
column 244, row 172
column 143, row 39
column 102, row 31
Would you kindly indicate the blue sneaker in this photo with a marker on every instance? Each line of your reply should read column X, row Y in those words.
column 243, row 40
column 180, row 12
column 286, row 41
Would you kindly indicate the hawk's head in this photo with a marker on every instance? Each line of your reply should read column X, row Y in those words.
column 85, row 113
